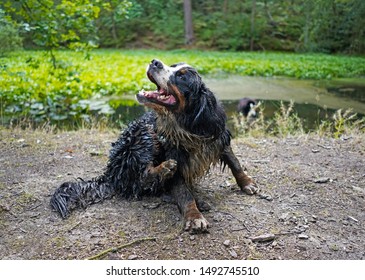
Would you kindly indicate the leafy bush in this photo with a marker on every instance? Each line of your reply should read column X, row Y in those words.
column 342, row 123
column 9, row 37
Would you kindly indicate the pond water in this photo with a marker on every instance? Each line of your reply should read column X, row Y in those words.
column 314, row 100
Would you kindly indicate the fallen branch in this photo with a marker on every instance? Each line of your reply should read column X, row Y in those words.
column 103, row 253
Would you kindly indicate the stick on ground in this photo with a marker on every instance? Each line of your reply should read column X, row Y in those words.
column 113, row 249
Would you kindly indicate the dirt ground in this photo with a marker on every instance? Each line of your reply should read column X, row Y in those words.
column 311, row 204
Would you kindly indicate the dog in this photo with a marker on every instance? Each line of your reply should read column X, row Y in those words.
column 248, row 110
column 166, row 150
column 246, row 106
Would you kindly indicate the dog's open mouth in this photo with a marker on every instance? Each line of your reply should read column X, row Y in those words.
column 159, row 96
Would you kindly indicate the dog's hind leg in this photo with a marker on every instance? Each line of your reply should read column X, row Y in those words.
column 245, row 182
column 194, row 221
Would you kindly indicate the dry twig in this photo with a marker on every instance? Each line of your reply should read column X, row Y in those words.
column 103, row 253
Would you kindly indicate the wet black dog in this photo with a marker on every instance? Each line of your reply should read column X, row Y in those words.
column 166, row 150
column 246, row 106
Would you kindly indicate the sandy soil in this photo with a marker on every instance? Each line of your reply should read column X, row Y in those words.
column 311, row 205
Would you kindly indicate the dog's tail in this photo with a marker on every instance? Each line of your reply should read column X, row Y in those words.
column 80, row 194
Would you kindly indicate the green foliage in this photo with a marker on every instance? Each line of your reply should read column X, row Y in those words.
column 78, row 88
column 57, row 24
column 335, row 25
column 342, row 123
column 287, row 123
column 110, row 23
column 9, row 37
column 285, row 25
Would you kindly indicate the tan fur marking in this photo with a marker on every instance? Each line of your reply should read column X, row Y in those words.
column 180, row 97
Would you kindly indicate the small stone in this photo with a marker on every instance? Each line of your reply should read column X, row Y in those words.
column 95, row 153
column 233, row 253
column 322, row 180
column 226, row 242
column 132, row 257
column 353, row 219
column 192, row 237
column 358, row 189
column 303, row 236
column 263, row 237
column 266, row 197
column 152, row 205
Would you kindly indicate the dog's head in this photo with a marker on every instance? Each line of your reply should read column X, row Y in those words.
column 181, row 91
column 248, row 107
column 176, row 84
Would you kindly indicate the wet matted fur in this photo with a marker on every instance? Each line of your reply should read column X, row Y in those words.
column 166, row 150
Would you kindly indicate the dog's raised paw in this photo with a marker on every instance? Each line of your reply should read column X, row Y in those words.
column 168, row 168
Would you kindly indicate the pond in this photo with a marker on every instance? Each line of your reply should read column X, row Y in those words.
column 314, row 100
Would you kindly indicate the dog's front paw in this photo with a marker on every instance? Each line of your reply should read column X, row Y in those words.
column 248, row 185
column 250, row 189
column 196, row 224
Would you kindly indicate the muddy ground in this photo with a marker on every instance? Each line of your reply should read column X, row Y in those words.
column 311, row 205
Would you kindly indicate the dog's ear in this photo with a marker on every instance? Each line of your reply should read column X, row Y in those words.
column 208, row 117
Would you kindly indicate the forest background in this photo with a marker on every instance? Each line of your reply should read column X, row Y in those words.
column 329, row 26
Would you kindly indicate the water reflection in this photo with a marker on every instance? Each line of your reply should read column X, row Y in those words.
column 325, row 94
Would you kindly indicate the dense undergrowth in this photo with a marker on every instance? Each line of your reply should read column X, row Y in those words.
column 81, row 88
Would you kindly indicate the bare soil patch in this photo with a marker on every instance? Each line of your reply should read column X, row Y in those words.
column 311, row 205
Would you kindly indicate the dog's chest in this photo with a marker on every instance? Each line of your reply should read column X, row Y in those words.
column 195, row 154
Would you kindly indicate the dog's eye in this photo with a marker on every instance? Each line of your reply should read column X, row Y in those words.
column 181, row 74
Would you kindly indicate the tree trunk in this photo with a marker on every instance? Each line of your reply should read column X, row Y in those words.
column 253, row 12
column 114, row 32
column 189, row 31
column 307, row 11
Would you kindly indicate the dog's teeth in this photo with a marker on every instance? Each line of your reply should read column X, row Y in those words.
column 162, row 97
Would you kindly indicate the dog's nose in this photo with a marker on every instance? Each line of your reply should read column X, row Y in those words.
column 156, row 64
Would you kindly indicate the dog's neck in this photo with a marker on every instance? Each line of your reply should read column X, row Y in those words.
column 168, row 127
column 203, row 151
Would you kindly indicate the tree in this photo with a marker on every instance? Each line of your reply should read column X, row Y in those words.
column 112, row 14
column 9, row 37
column 55, row 24
column 253, row 11
column 188, row 19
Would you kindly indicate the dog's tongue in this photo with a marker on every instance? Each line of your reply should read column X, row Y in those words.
column 157, row 96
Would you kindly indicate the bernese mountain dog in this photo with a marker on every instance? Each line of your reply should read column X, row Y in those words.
column 166, row 150
column 247, row 107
